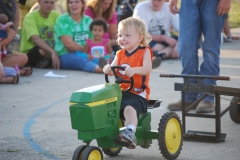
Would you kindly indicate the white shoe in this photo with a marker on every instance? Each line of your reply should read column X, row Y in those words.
column 17, row 37
column 228, row 39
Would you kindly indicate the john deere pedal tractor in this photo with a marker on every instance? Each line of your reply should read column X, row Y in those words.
column 94, row 114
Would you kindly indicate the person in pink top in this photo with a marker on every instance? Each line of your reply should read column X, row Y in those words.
column 4, row 24
column 104, row 9
column 98, row 46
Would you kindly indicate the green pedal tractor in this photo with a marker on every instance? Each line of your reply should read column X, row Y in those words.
column 94, row 114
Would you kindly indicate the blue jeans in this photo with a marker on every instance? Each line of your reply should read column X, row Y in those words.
column 74, row 62
column 95, row 60
column 199, row 17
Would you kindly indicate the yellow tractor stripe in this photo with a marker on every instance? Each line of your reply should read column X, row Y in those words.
column 98, row 102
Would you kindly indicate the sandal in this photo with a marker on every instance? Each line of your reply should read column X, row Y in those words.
column 26, row 71
column 15, row 79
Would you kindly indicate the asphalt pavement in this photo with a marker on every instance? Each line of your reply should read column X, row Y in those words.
column 35, row 120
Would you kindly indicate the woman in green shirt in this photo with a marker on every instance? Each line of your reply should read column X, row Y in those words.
column 71, row 32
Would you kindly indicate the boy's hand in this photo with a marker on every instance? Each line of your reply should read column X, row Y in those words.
column 107, row 69
column 129, row 71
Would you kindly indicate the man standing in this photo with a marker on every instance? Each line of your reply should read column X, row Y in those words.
column 37, row 36
column 197, row 18
column 159, row 21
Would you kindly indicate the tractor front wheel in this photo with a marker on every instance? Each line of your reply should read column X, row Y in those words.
column 170, row 135
column 92, row 153
column 77, row 155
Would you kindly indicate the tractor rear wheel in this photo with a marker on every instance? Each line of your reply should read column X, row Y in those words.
column 170, row 135
column 112, row 152
column 234, row 112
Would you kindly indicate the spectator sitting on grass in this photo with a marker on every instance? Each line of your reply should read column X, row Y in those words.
column 57, row 7
column 159, row 21
column 11, row 9
column 71, row 32
column 38, row 36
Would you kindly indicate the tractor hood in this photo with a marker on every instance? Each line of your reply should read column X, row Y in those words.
column 96, row 93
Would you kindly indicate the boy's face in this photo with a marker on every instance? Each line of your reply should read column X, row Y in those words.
column 98, row 31
column 156, row 5
column 46, row 6
column 129, row 39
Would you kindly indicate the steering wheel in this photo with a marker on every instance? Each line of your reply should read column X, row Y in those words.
column 119, row 79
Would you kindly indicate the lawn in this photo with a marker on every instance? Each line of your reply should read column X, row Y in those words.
column 234, row 19
column 234, row 14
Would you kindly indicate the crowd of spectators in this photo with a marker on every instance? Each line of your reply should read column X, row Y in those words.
column 55, row 36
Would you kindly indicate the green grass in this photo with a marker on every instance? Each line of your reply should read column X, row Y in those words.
column 234, row 14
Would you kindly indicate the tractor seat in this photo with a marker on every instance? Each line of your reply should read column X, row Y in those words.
column 153, row 104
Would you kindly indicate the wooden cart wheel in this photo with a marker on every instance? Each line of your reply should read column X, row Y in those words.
column 234, row 111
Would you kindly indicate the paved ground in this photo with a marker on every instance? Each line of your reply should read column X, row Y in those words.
column 35, row 121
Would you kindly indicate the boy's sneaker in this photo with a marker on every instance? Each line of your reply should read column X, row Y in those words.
column 127, row 138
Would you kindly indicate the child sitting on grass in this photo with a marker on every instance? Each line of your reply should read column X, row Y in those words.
column 98, row 46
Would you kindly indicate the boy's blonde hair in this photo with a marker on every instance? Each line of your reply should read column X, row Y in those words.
column 140, row 27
